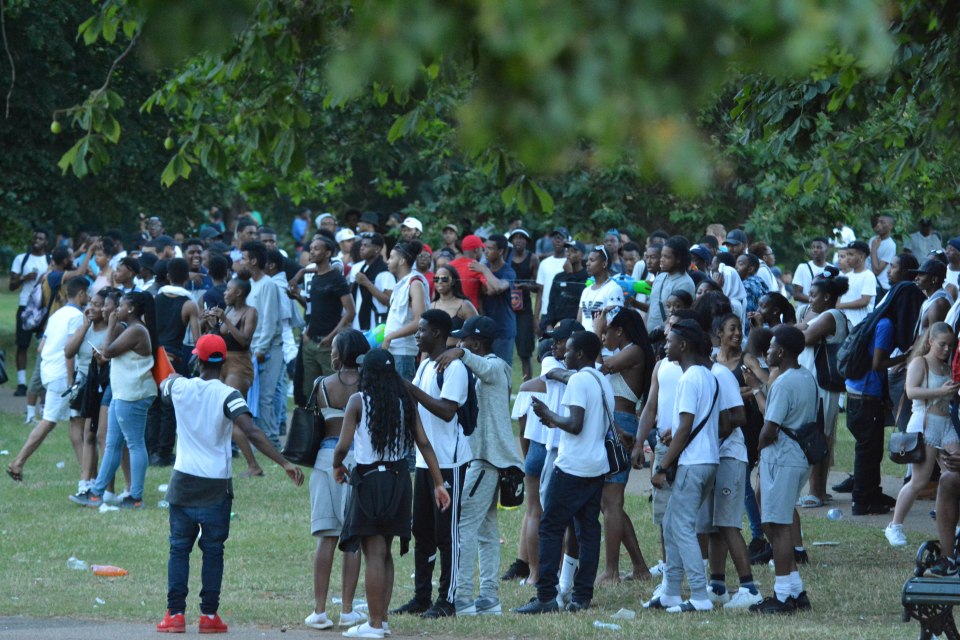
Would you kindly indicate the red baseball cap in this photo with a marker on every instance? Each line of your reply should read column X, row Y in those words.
column 472, row 243
column 427, row 248
column 210, row 348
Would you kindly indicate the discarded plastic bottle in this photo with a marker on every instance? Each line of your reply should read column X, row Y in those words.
column 78, row 565
column 835, row 514
column 108, row 570
column 606, row 625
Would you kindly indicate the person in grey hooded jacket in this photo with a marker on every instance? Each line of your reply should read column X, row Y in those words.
column 494, row 448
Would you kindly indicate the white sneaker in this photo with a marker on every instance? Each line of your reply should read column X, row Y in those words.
column 83, row 485
column 895, row 535
column 658, row 590
column 363, row 631
column 717, row 598
column 658, row 569
column 467, row 611
column 318, row 621
column 386, row 628
column 123, row 494
column 110, row 497
column 743, row 599
column 353, row 618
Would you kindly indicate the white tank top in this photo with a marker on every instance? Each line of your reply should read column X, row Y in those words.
column 363, row 451
column 668, row 376
column 131, row 377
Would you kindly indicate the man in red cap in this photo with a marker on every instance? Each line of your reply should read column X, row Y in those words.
column 200, row 492
column 472, row 281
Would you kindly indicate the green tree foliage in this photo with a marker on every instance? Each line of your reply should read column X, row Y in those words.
column 53, row 68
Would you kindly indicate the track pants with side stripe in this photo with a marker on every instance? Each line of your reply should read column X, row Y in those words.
column 435, row 532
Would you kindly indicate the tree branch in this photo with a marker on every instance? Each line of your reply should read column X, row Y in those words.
column 117, row 60
column 6, row 46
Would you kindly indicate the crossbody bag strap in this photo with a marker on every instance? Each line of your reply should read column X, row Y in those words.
column 606, row 409
column 703, row 423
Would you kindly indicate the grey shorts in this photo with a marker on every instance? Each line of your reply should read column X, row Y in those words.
column 546, row 473
column 328, row 500
column 780, row 489
column 660, row 496
column 725, row 507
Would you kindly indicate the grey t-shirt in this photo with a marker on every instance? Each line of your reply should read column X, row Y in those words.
column 791, row 403
column 664, row 285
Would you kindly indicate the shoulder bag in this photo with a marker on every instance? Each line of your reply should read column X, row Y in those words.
column 910, row 448
column 811, row 438
column 305, row 432
column 617, row 455
column 829, row 377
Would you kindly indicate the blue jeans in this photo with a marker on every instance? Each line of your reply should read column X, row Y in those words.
column 629, row 423
column 280, row 402
column 185, row 524
column 503, row 348
column 126, row 424
column 578, row 499
column 269, row 374
column 406, row 366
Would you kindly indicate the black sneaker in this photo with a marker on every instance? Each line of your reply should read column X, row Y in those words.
column 517, row 571
column 21, row 390
column 801, row 557
column 763, row 556
column 869, row 509
column 771, row 604
column 414, row 607
column 884, row 499
column 131, row 503
column 576, row 607
column 844, row 487
column 440, row 609
column 944, row 568
column 535, row 607
column 802, row 602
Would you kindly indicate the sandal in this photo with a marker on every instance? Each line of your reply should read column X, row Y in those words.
column 809, row 502
column 17, row 476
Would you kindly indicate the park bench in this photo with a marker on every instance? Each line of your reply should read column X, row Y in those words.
column 931, row 600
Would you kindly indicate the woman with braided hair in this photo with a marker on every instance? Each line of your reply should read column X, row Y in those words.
column 381, row 423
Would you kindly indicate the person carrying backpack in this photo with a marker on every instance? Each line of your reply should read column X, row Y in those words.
column 435, row 532
column 494, row 450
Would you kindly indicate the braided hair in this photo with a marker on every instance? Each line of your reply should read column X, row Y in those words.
column 390, row 423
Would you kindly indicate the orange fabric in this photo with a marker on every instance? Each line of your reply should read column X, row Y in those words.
column 162, row 369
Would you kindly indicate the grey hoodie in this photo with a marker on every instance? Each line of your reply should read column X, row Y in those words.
column 493, row 440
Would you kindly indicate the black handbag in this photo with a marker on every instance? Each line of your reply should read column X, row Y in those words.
column 907, row 448
column 305, row 433
column 617, row 455
column 811, row 438
column 511, row 487
column 829, row 377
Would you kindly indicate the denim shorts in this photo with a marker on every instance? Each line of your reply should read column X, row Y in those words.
column 533, row 463
column 627, row 422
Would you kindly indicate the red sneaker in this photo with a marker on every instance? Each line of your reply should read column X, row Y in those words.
column 212, row 625
column 172, row 623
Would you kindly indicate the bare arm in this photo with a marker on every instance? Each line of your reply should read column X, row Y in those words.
column 624, row 359
column 648, row 419
column 349, row 310
column 418, row 303
column 855, row 304
column 822, row 327
column 190, row 315
column 351, row 416
column 440, row 495
column 915, row 386
column 572, row 423
column 440, row 407
column 768, row 434
column 260, row 441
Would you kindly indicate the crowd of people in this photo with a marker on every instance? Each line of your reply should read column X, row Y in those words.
column 703, row 360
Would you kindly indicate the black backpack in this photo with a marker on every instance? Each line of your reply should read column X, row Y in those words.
column 855, row 356
column 468, row 411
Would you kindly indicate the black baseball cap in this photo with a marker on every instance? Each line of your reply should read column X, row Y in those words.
column 859, row 245
column 932, row 266
column 737, row 236
column 481, row 326
column 576, row 244
column 377, row 360
column 564, row 329
column 560, row 230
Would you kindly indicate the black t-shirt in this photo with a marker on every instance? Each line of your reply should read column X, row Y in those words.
column 326, row 309
column 565, row 296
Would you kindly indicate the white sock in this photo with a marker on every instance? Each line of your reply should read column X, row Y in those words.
column 671, row 601
column 31, row 412
column 796, row 584
column 567, row 571
column 701, row 605
column 22, row 376
column 781, row 588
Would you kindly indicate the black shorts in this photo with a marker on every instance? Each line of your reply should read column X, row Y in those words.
column 380, row 505
column 23, row 336
column 525, row 336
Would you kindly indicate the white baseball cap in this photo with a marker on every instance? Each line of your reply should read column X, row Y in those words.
column 344, row 234
column 413, row 223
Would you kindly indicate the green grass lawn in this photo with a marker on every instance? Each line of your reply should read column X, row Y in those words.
column 854, row 587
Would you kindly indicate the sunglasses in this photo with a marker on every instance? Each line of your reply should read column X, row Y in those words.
column 442, row 279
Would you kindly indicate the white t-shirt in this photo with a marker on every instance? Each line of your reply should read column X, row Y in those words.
column 953, row 277
column 608, row 295
column 861, row 284
column 583, row 455
column 766, row 274
column 61, row 325
column 695, row 393
column 449, row 443
column 546, row 272
column 733, row 446
column 385, row 281
column 35, row 264
column 205, row 411
column 804, row 275
column 554, row 399
column 668, row 375
column 886, row 251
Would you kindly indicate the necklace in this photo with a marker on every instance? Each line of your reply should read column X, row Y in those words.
column 348, row 384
